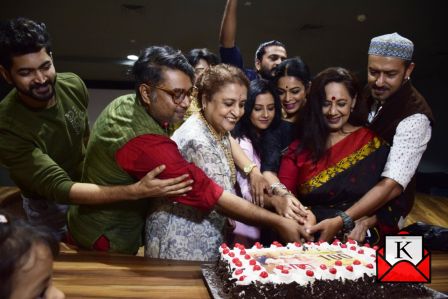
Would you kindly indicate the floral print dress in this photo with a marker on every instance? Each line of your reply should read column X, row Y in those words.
column 180, row 232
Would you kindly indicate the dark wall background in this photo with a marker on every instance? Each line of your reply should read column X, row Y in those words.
column 92, row 38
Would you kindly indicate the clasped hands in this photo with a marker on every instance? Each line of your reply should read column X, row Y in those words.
column 329, row 228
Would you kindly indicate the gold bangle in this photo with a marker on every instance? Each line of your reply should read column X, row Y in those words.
column 248, row 168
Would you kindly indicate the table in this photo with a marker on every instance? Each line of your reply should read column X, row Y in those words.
column 97, row 275
column 100, row 275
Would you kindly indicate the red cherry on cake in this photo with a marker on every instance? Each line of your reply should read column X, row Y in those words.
column 370, row 266
column 239, row 271
column 280, row 267
column 309, row 273
column 264, row 274
column 356, row 262
column 297, row 244
column 258, row 245
column 237, row 262
column 247, row 257
column 252, row 262
column 361, row 251
column 351, row 241
column 338, row 263
column 257, row 268
column 349, row 268
column 284, row 271
column 353, row 248
column 343, row 245
column 232, row 254
column 375, row 247
column 278, row 244
column 323, row 267
column 243, row 252
column 242, row 277
column 302, row 266
column 226, row 250
column 224, row 245
column 335, row 242
column 367, row 245
column 333, row 270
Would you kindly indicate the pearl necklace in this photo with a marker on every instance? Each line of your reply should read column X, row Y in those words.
column 226, row 151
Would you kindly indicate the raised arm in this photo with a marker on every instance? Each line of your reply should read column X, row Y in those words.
column 227, row 32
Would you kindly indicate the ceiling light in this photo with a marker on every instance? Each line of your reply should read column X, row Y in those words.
column 132, row 57
column 361, row 17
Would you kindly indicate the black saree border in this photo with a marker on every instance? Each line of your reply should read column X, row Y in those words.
column 344, row 164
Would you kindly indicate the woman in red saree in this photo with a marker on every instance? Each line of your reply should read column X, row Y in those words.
column 335, row 161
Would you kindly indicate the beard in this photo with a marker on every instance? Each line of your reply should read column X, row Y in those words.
column 40, row 92
column 266, row 73
column 383, row 93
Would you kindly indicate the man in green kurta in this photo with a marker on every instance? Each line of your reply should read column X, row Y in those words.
column 44, row 129
column 129, row 137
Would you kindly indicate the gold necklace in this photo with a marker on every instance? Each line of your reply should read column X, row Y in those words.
column 226, row 151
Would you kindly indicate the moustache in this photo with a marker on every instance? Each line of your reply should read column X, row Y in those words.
column 38, row 85
column 374, row 87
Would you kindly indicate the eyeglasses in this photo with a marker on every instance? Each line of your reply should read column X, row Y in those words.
column 177, row 95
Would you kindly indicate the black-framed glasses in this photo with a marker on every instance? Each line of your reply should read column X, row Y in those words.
column 177, row 94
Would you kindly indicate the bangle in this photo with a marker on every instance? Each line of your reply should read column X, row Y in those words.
column 280, row 186
column 248, row 168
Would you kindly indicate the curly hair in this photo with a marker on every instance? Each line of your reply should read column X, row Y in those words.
column 22, row 36
column 215, row 77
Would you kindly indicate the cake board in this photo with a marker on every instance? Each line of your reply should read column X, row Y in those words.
column 215, row 286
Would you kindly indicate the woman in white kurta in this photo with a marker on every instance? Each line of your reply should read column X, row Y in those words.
column 175, row 231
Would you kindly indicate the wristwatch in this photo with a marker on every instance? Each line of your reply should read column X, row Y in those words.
column 248, row 168
column 347, row 222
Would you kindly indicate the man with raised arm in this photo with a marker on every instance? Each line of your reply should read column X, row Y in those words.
column 129, row 137
column 268, row 55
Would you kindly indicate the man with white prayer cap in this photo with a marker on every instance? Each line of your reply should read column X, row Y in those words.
column 399, row 114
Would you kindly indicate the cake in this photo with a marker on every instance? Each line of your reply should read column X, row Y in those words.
column 309, row 270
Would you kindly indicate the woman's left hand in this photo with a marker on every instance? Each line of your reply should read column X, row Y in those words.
column 258, row 185
column 328, row 228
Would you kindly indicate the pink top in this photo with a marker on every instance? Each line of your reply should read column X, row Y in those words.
column 243, row 233
column 242, row 180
